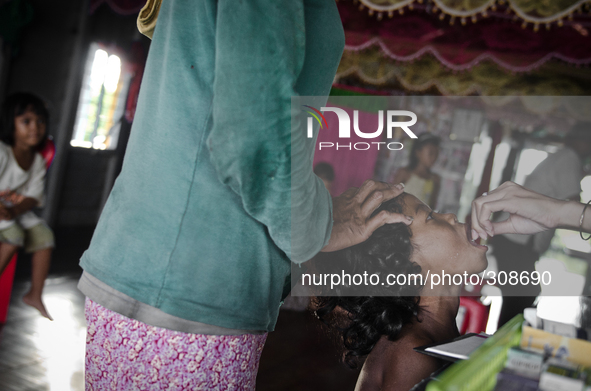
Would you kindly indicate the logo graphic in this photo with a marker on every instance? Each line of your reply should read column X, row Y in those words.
column 315, row 116
column 393, row 121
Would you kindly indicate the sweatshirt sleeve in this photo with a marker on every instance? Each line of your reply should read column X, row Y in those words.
column 260, row 49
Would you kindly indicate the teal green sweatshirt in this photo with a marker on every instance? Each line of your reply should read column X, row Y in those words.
column 199, row 222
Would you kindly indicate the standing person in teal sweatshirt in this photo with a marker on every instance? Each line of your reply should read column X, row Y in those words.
column 191, row 257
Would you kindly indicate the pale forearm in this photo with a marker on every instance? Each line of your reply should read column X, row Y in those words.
column 529, row 212
column 569, row 216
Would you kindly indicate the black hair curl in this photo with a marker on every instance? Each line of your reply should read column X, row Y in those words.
column 325, row 171
column 362, row 320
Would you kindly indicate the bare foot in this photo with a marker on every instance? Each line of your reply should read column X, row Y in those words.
column 35, row 302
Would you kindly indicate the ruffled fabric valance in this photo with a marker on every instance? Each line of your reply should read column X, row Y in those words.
column 535, row 12
column 412, row 36
column 485, row 78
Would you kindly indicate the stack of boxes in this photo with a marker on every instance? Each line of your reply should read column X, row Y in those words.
column 551, row 357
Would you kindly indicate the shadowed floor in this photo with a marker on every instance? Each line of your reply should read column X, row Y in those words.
column 38, row 355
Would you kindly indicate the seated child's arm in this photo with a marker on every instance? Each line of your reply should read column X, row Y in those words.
column 8, row 199
column 25, row 205
column 5, row 213
column 11, row 212
column 30, row 194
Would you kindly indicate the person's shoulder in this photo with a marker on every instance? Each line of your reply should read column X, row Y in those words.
column 395, row 365
column 561, row 155
column 375, row 366
column 410, row 367
column 4, row 147
column 38, row 160
column 564, row 161
column 570, row 154
column 4, row 150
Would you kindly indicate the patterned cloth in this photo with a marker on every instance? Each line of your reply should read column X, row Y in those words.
column 123, row 354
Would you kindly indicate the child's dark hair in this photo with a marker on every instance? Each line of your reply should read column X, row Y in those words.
column 420, row 142
column 362, row 320
column 324, row 171
column 15, row 105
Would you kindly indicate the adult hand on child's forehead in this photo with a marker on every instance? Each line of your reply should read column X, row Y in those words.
column 353, row 222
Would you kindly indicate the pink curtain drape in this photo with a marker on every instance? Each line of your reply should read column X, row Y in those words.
column 351, row 167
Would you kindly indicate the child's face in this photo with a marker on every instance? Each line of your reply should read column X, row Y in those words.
column 428, row 154
column 441, row 242
column 29, row 129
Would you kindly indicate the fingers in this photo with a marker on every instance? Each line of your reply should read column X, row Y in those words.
column 350, row 192
column 365, row 189
column 503, row 227
column 377, row 194
column 371, row 186
column 483, row 216
column 482, row 208
column 352, row 213
column 375, row 199
column 385, row 217
column 477, row 224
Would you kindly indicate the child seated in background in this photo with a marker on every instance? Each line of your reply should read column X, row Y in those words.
column 417, row 177
column 325, row 172
column 23, row 131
